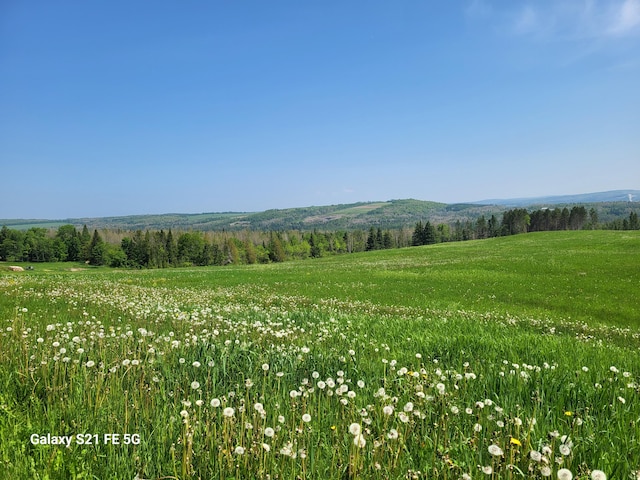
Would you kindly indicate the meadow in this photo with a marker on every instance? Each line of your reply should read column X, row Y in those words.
column 513, row 357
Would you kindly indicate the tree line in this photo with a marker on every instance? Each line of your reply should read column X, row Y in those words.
column 161, row 249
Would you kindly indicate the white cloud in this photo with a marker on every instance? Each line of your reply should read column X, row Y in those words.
column 562, row 19
column 626, row 19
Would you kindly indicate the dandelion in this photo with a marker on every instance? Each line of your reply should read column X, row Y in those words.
column 440, row 387
column 387, row 410
column 408, row 407
column 306, row 418
column 545, row 471
column 269, row 432
column 514, row 441
column 565, row 474
column 196, row 364
column 477, row 428
column 90, row 363
column 393, row 434
column 359, row 441
column 488, row 470
column 355, row 429
column 598, row 475
column 228, row 412
column 622, row 400
column 239, row 450
column 535, row 455
column 495, row 450
column 266, row 447
column 195, row 385
column 215, row 403
column 184, row 414
column 565, row 449
column 265, row 367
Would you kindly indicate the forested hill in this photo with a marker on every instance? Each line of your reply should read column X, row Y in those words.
column 389, row 214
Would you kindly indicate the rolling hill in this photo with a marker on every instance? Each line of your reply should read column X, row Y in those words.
column 387, row 214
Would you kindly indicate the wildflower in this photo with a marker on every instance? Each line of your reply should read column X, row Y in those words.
column 355, row 429
column 184, row 413
column 565, row 474
column 622, row 400
column 266, row 447
column 228, row 412
column 199, row 403
column 196, row 364
column 477, row 428
column 535, row 455
column 90, row 363
column 239, row 450
column 515, row 441
column 269, row 432
column 568, row 413
column 359, row 441
column 393, row 434
column 215, row 403
column 306, row 418
column 598, row 475
column 265, row 367
column 440, row 387
column 545, row 471
column 495, row 450
column 488, row 470
column 387, row 410
column 195, row 385
column 408, row 407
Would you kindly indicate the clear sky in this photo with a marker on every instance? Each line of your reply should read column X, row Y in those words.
column 131, row 107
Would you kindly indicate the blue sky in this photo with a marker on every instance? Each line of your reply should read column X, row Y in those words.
column 132, row 107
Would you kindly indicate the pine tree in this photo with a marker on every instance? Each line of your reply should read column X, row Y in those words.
column 96, row 249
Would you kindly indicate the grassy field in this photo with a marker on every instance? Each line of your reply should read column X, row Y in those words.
column 514, row 357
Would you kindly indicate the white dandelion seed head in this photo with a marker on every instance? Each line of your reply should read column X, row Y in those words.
column 488, row 470
column 195, row 385
column 495, row 450
column 359, row 440
column 565, row 474
column 306, row 418
column 215, row 403
column 355, row 429
column 228, row 412
column 535, row 455
column 598, row 475
column 269, row 432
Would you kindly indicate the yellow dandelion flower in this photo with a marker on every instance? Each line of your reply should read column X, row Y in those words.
column 515, row 441
column 568, row 413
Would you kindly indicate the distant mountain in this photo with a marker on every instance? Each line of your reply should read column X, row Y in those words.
column 362, row 215
column 599, row 197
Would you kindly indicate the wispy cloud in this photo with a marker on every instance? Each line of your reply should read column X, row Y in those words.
column 627, row 18
column 561, row 19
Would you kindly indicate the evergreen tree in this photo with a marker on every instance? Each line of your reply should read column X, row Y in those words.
column 96, row 249
column 417, row 238
column 85, row 240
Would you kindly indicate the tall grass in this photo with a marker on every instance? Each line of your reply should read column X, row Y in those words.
column 386, row 365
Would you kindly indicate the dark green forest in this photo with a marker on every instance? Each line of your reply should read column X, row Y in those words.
column 160, row 248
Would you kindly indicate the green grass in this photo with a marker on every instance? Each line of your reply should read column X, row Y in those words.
column 465, row 343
